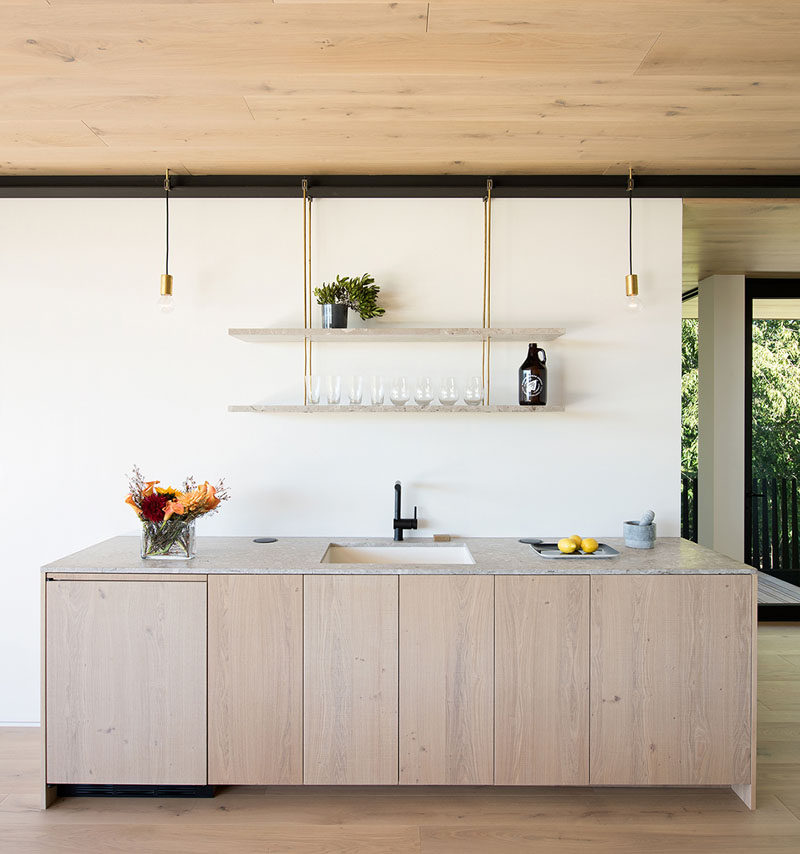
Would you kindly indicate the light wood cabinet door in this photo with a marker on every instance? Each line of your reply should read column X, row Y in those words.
column 350, row 717
column 126, row 682
column 671, row 679
column 446, row 684
column 255, row 672
column 542, row 681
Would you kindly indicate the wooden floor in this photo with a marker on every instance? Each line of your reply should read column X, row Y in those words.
column 775, row 591
column 325, row 820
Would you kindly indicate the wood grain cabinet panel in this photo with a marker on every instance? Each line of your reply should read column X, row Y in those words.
column 446, row 679
column 542, row 680
column 255, row 672
column 350, row 708
column 126, row 682
column 671, row 680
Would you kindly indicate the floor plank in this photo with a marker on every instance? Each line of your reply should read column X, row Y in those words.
column 523, row 840
column 205, row 839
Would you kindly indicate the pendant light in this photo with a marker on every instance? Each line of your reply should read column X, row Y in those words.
column 633, row 300
column 166, row 302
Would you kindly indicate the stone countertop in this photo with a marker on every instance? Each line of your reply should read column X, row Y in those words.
column 492, row 555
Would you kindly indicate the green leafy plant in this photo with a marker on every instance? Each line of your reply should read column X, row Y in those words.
column 362, row 296
column 331, row 294
column 359, row 293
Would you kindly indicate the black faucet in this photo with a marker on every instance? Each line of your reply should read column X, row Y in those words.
column 399, row 523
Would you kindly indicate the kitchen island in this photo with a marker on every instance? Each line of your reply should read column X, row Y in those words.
column 263, row 664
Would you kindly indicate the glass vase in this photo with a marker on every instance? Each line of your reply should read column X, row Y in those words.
column 170, row 540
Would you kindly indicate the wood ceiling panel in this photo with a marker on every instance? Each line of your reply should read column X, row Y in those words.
column 735, row 236
column 302, row 104
column 502, row 86
column 249, row 161
column 77, row 22
column 638, row 140
column 665, row 116
column 216, row 110
column 78, row 82
column 32, row 134
column 754, row 53
column 266, row 52
column 688, row 16
column 95, row 161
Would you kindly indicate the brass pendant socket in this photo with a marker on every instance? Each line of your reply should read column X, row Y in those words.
column 166, row 285
column 632, row 285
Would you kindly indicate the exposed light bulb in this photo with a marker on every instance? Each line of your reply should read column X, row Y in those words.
column 634, row 303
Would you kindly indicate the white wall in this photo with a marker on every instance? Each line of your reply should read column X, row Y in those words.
column 94, row 379
column 720, row 455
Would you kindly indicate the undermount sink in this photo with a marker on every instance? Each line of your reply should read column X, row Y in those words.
column 407, row 553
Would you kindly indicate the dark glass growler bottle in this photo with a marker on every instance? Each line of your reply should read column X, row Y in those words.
column 533, row 378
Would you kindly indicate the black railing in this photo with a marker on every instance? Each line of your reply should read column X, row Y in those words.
column 775, row 531
column 689, row 507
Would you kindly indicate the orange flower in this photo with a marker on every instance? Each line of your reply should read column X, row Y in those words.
column 149, row 487
column 211, row 499
column 129, row 500
column 200, row 500
column 173, row 507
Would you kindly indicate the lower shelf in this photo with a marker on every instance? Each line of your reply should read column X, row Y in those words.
column 323, row 409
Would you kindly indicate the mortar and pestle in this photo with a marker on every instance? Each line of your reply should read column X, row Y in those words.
column 641, row 534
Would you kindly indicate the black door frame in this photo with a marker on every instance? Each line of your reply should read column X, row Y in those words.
column 759, row 288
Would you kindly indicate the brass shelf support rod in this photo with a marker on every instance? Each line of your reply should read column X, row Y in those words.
column 307, row 354
column 486, row 358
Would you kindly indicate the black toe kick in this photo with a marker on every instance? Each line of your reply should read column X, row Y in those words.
column 112, row 790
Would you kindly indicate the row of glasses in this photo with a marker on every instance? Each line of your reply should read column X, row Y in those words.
column 333, row 387
column 399, row 393
column 448, row 391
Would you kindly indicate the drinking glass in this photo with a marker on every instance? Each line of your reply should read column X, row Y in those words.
column 356, row 389
column 399, row 395
column 473, row 393
column 376, row 391
column 312, row 389
column 334, row 389
column 448, row 393
column 424, row 393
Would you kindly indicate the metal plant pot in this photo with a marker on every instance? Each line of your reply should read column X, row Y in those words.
column 334, row 316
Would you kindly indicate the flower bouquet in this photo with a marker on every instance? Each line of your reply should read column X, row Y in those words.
column 168, row 514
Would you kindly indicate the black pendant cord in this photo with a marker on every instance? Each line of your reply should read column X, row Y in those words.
column 166, row 260
column 630, row 234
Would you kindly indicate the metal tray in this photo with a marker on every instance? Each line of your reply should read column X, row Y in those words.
column 550, row 550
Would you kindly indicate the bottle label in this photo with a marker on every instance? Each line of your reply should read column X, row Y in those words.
column 531, row 385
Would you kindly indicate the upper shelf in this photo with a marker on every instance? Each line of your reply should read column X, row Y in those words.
column 394, row 333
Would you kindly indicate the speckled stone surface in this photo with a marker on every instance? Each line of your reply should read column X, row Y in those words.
column 303, row 555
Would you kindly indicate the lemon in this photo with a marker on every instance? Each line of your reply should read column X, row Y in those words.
column 567, row 545
column 589, row 545
column 577, row 539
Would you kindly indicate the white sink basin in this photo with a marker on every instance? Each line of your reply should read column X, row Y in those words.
column 406, row 553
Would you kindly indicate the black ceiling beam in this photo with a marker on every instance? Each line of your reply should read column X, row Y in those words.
column 402, row 186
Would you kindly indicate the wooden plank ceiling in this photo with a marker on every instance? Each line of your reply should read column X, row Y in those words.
column 736, row 236
column 447, row 86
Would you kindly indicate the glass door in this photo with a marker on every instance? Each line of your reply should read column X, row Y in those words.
column 772, row 427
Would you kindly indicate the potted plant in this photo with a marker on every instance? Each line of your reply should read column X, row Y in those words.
column 359, row 293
